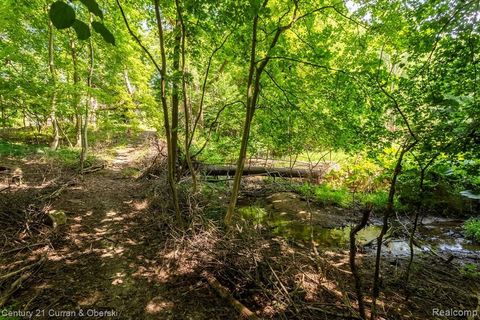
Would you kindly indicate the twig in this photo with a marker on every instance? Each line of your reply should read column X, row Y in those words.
column 18, row 283
column 24, row 247
column 11, row 274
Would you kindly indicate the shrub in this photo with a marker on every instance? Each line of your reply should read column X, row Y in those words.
column 472, row 229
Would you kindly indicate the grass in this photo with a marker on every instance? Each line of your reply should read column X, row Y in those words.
column 472, row 229
column 327, row 195
column 22, row 143
column 68, row 157
column 17, row 149
column 114, row 135
column 470, row 270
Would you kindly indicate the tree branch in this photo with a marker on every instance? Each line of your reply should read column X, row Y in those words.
column 134, row 36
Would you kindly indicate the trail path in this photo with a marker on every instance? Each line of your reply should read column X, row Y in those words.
column 105, row 260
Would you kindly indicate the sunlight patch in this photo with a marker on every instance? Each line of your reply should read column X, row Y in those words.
column 156, row 305
column 111, row 213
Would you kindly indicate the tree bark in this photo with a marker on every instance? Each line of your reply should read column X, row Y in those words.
column 253, row 91
column 76, row 95
column 53, row 98
column 84, row 140
column 213, row 170
column 353, row 265
column 168, row 132
column 388, row 212
column 175, row 95
column 185, row 100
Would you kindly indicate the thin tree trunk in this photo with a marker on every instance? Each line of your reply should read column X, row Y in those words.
column 4, row 122
column 168, row 132
column 76, row 95
column 353, row 265
column 84, row 152
column 175, row 96
column 423, row 170
column 246, row 128
column 53, row 98
column 185, row 100
column 388, row 212
column 128, row 84
column 253, row 91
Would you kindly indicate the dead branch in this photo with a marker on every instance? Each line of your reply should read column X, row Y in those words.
column 224, row 293
column 18, row 283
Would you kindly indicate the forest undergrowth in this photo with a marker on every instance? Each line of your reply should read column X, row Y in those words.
column 121, row 249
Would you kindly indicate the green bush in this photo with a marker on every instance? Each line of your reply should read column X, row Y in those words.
column 472, row 229
column 378, row 199
column 327, row 195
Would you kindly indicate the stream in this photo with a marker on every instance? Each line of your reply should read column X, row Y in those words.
column 287, row 215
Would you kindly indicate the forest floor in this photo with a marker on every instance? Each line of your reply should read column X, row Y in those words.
column 103, row 259
column 119, row 252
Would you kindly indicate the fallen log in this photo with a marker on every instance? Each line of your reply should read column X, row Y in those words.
column 245, row 313
column 213, row 170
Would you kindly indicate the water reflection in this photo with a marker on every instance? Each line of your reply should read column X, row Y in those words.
column 445, row 236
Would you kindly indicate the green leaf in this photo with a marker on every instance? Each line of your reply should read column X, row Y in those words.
column 62, row 15
column 82, row 30
column 104, row 32
column 93, row 7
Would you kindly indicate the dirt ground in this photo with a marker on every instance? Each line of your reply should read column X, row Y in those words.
column 103, row 259
column 118, row 255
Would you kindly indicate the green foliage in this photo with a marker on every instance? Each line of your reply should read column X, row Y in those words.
column 378, row 199
column 81, row 29
column 11, row 149
column 104, row 32
column 67, row 157
column 254, row 213
column 62, row 15
column 326, row 195
column 93, row 7
column 472, row 229
column 444, row 185
column 358, row 87
column 114, row 134
column 470, row 270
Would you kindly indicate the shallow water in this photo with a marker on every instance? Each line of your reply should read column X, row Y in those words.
column 435, row 234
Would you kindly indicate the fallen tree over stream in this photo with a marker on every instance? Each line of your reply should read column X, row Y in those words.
column 285, row 172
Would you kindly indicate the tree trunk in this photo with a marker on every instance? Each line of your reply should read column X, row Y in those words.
column 388, row 212
column 353, row 265
column 253, row 91
column 128, row 84
column 53, row 98
column 84, row 140
column 76, row 95
column 213, row 170
column 168, row 132
column 175, row 98
column 251, row 94
column 185, row 100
